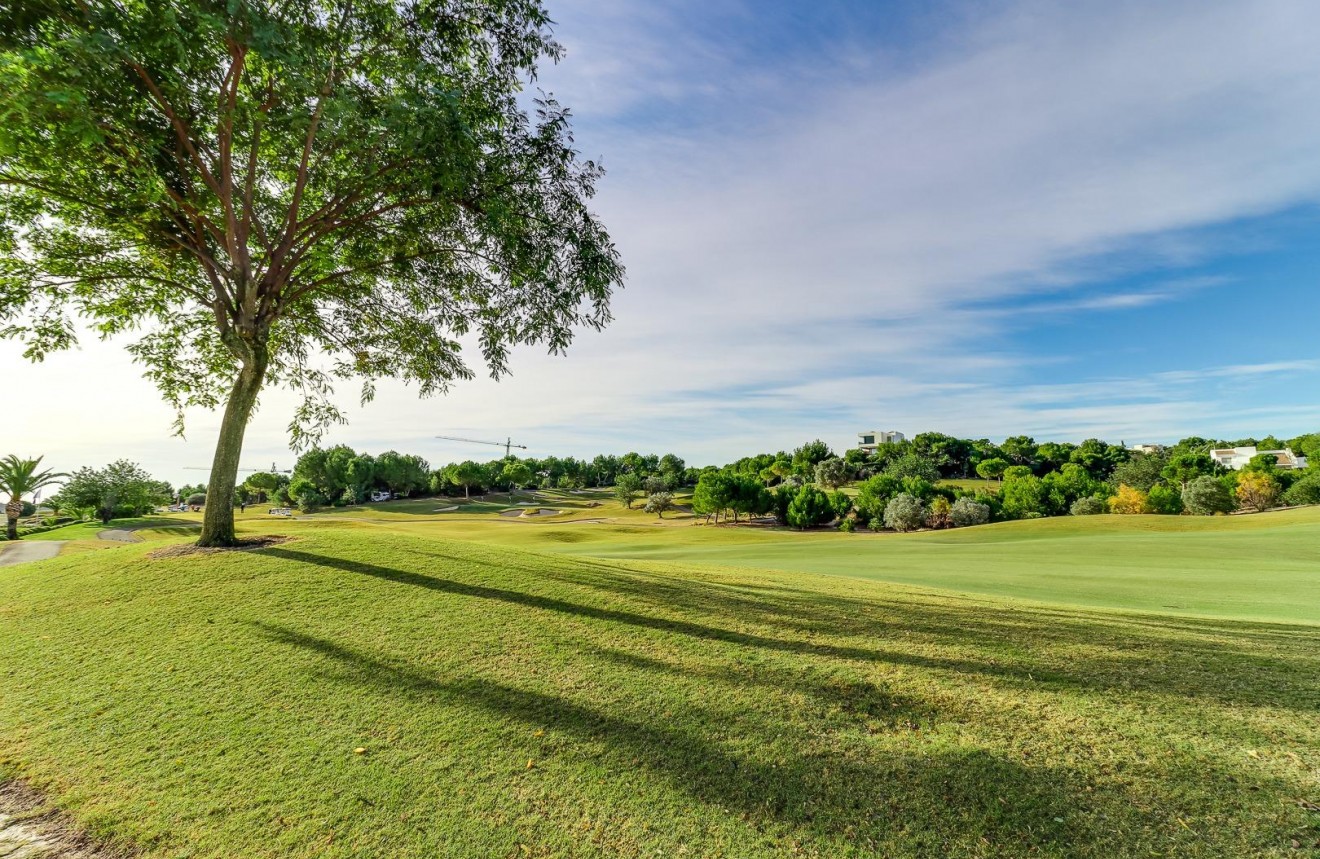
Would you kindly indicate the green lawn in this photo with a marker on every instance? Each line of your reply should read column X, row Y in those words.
column 528, row 703
column 89, row 530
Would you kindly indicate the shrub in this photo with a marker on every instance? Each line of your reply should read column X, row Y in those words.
column 1087, row 505
column 1024, row 495
column 966, row 512
column 919, row 487
column 1129, row 501
column 659, row 502
column 876, row 524
column 905, row 513
column 848, row 525
column 1206, row 496
column 1304, row 491
column 940, row 513
column 1165, row 500
column 841, row 504
column 1257, row 490
column 874, row 494
column 348, row 498
column 810, row 507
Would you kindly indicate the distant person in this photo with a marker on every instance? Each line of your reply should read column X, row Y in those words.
column 242, row 507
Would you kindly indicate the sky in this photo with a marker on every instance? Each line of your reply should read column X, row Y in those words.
column 984, row 218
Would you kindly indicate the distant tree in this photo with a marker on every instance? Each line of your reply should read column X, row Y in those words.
column 517, row 474
column 1257, row 490
column 655, row 483
column 1020, row 449
column 966, row 512
column 1304, row 491
column 992, row 469
column 905, row 513
column 303, row 492
column 1264, row 463
column 264, row 483
column 832, row 473
column 659, row 502
column 913, row 465
column 1088, row 505
column 1016, row 472
column 121, row 488
column 1183, row 468
column 402, row 474
column 1024, row 496
column 810, row 507
column 1098, row 457
column 197, row 499
column 1206, row 496
column 806, row 457
column 1129, row 500
column 1052, row 455
column 672, row 470
column 1141, row 470
column 19, row 477
column 626, row 488
column 467, row 474
column 1164, row 499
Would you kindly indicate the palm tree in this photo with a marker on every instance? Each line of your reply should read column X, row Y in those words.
column 19, row 477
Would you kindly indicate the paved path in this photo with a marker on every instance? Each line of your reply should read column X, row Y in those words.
column 28, row 550
column 116, row 535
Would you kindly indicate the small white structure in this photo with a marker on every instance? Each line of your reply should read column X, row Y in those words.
column 1236, row 457
column 872, row 439
column 1147, row 448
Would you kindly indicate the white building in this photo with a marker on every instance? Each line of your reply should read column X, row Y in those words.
column 1147, row 448
column 872, row 439
column 1236, row 457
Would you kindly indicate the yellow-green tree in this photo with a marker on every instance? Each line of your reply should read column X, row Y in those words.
column 1129, row 500
column 1257, row 490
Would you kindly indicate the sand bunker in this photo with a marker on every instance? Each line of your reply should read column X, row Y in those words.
column 528, row 514
column 449, row 509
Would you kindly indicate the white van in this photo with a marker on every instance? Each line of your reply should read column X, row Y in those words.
column 381, row 496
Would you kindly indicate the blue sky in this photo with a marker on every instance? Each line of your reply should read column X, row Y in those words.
column 984, row 218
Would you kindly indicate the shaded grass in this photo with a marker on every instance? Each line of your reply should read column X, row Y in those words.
column 211, row 705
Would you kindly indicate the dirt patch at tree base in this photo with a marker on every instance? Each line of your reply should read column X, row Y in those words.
column 249, row 545
column 31, row 829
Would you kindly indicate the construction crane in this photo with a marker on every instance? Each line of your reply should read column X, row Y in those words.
column 271, row 470
column 507, row 444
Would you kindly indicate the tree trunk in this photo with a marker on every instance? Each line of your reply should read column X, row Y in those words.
column 218, row 515
column 13, row 510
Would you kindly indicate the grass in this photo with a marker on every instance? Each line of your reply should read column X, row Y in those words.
column 521, row 702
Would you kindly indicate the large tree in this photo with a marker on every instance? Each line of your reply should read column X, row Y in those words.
column 19, row 477
column 291, row 193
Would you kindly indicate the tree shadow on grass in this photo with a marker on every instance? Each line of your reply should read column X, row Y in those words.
column 930, row 803
column 1022, row 648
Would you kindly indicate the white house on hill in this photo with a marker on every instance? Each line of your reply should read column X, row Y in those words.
column 872, row 439
column 1236, row 457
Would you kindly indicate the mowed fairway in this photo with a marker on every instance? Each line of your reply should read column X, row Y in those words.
column 1264, row 567
column 509, row 702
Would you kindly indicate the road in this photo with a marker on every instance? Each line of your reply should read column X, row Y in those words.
column 28, row 550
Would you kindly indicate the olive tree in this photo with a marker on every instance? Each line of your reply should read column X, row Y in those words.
column 291, row 194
